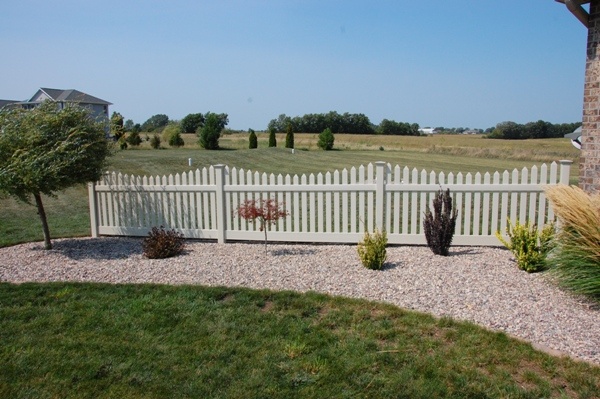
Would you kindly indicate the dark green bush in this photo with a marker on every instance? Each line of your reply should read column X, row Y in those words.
column 289, row 137
column 134, row 139
column 253, row 140
column 175, row 140
column 439, row 225
column 272, row 138
column 155, row 141
column 326, row 140
column 161, row 243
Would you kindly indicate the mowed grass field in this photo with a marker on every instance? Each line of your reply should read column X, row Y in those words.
column 69, row 216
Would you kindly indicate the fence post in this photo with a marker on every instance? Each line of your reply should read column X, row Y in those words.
column 93, row 209
column 565, row 171
column 220, row 202
column 380, row 195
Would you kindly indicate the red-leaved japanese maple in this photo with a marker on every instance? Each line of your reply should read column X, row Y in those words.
column 266, row 211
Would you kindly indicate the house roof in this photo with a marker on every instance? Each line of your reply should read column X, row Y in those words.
column 4, row 103
column 576, row 133
column 71, row 95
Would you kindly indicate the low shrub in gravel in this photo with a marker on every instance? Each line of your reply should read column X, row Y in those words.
column 529, row 245
column 439, row 225
column 372, row 250
column 162, row 243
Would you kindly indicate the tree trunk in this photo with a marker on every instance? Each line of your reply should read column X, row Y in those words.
column 42, row 213
column 266, row 252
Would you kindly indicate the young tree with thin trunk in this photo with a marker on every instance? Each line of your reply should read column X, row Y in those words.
column 266, row 211
column 48, row 149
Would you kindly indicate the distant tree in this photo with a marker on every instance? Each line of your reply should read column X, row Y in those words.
column 128, row 126
column 172, row 135
column 170, row 130
column 175, row 140
column 46, row 150
column 155, row 122
column 116, row 126
column 222, row 120
column 192, row 122
column 280, row 124
column 508, row 130
column 155, row 141
column 538, row 130
column 289, row 136
column 326, row 140
column 133, row 138
column 210, row 133
column 136, row 128
column 253, row 140
column 272, row 138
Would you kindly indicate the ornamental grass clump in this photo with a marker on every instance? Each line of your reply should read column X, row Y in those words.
column 266, row 211
column 529, row 245
column 161, row 243
column 439, row 225
column 372, row 250
column 576, row 258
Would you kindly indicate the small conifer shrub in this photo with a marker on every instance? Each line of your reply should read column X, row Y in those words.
column 253, row 140
column 326, row 140
column 134, row 139
column 439, row 225
column 175, row 140
column 272, row 138
column 372, row 250
column 155, row 141
column 289, row 136
column 161, row 243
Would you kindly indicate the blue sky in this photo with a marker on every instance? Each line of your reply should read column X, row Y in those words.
column 461, row 63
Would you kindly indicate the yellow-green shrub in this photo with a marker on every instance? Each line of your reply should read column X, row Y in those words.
column 529, row 245
column 372, row 250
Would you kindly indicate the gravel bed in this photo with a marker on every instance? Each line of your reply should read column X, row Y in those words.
column 478, row 284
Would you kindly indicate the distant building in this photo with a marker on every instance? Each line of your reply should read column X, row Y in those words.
column 427, row 130
column 98, row 107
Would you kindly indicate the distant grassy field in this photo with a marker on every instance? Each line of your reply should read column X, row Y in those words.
column 68, row 214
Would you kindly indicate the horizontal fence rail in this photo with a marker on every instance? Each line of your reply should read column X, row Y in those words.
column 333, row 207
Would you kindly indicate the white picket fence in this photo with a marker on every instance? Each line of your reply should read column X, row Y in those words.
column 325, row 208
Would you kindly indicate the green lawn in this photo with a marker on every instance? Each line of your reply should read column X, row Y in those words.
column 143, row 341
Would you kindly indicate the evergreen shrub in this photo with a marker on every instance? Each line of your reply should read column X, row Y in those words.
column 372, row 250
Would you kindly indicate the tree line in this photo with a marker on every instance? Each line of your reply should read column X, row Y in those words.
column 532, row 130
column 341, row 123
column 348, row 123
